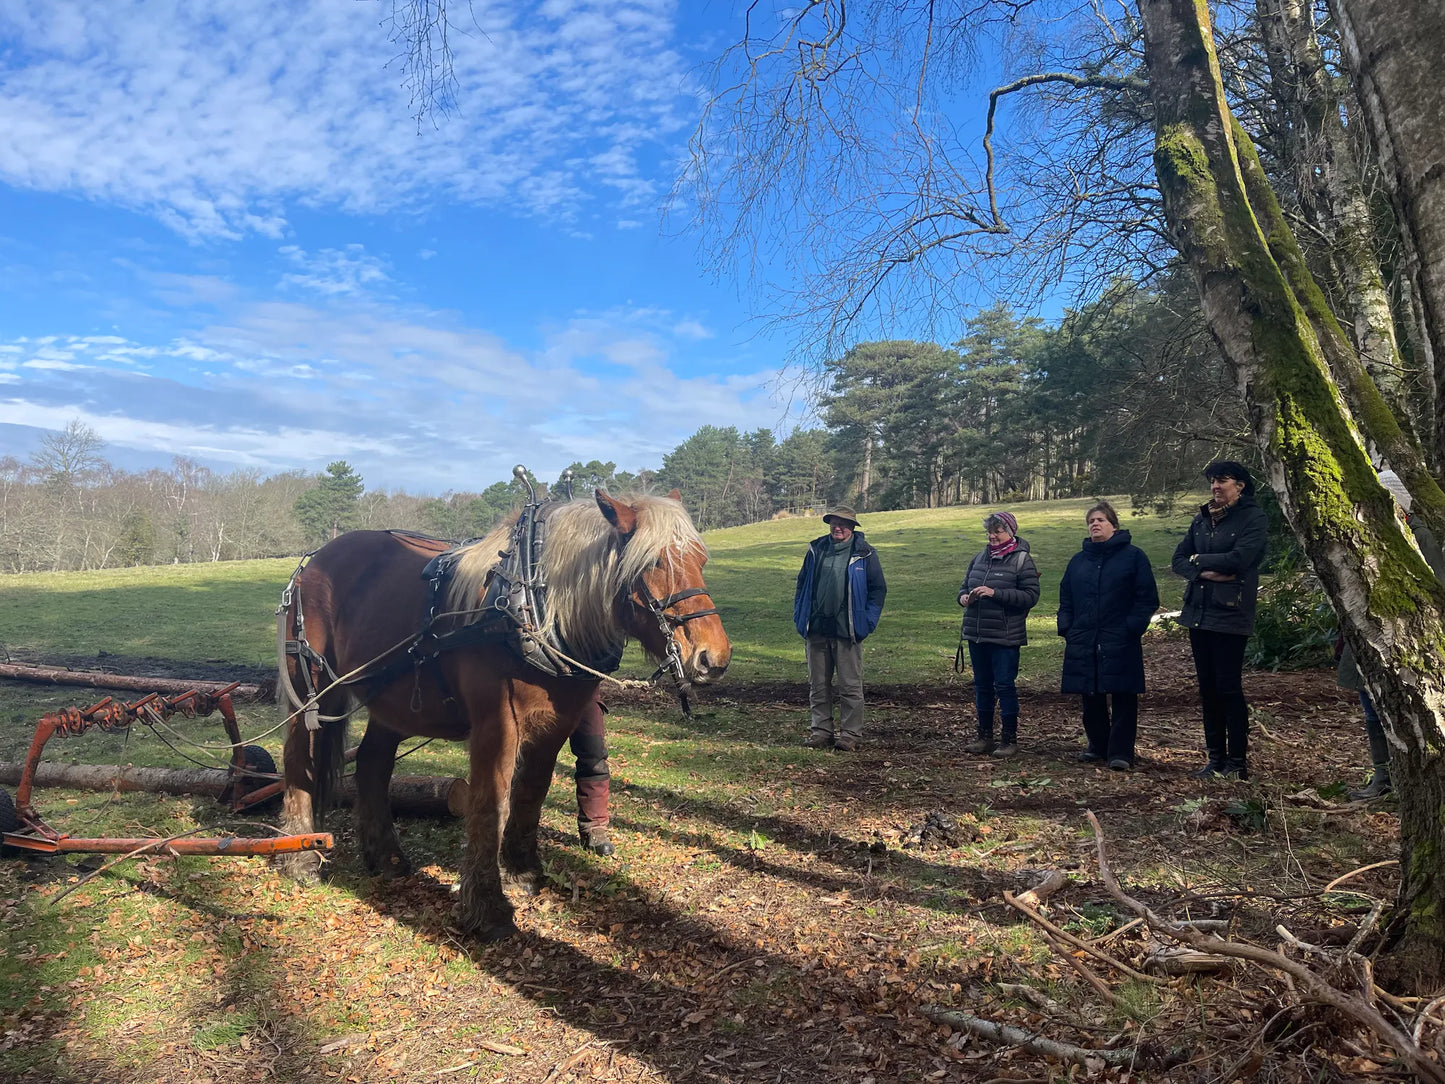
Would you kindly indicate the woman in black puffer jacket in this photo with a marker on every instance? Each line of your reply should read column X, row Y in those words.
column 1106, row 599
column 999, row 589
column 1220, row 557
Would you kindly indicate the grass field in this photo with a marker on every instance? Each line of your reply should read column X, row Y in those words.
column 769, row 914
column 224, row 613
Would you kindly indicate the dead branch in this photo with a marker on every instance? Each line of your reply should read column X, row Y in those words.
column 562, row 1068
column 1104, row 939
column 1052, row 881
column 1309, row 980
column 1207, row 925
column 1037, row 998
column 1175, row 960
column 1424, row 1017
column 1098, row 953
column 1342, row 878
column 1088, row 976
column 1026, row 1040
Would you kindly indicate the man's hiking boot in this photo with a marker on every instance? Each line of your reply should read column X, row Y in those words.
column 1005, row 750
column 844, row 744
column 980, row 746
column 819, row 739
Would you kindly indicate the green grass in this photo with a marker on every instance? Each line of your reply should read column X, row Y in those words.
column 225, row 613
column 924, row 553
column 217, row 613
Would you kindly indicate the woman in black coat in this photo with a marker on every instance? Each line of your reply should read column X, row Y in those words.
column 1106, row 599
column 1220, row 556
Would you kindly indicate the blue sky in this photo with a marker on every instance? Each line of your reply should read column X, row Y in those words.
column 224, row 237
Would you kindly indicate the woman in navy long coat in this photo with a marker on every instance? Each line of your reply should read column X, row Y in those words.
column 1106, row 599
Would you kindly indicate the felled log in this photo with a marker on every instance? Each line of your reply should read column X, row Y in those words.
column 411, row 795
column 46, row 675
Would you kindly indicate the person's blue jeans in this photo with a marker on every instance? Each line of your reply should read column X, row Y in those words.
column 995, row 676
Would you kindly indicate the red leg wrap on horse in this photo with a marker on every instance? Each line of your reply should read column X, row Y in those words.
column 594, row 778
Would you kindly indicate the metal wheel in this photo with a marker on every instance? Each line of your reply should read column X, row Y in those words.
column 257, row 759
column 9, row 819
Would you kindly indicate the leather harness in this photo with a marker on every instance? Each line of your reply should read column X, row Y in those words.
column 512, row 611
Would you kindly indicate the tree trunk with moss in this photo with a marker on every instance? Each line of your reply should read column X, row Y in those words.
column 1270, row 322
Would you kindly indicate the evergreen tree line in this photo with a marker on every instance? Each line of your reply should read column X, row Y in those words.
column 1128, row 395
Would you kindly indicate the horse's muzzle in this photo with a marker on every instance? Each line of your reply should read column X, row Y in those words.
column 704, row 667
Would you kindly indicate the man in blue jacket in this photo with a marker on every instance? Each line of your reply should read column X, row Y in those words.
column 838, row 603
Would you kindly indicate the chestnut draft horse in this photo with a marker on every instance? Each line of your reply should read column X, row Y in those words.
column 612, row 569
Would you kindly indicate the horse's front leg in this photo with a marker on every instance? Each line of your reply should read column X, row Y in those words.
column 530, row 784
column 298, row 806
column 375, row 829
column 483, row 908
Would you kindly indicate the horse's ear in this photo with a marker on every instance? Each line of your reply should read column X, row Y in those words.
column 675, row 495
column 622, row 516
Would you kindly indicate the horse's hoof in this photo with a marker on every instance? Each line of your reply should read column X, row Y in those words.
column 485, row 932
column 497, row 933
column 391, row 867
column 528, row 882
column 304, row 868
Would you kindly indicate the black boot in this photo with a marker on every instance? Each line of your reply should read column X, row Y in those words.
column 1213, row 739
column 1008, row 740
column 1380, row 785
column 1236, row 731
column 983, row 744
column 596, row 840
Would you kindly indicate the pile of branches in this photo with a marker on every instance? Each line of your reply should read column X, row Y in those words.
column 1294, row 996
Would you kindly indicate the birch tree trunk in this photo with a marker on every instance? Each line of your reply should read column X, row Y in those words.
column 1394, row 52
column 1332, row 195
column 1267, row 320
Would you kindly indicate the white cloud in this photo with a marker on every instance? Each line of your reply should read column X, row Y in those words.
column 411, row 397
column 216, row 118
column 691, row 329
column 333, row 271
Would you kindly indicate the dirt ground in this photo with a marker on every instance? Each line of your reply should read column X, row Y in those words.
column 799, row 929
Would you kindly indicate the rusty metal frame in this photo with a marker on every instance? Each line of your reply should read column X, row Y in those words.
column 37, row 836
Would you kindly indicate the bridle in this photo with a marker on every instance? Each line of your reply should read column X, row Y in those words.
column 669, row 624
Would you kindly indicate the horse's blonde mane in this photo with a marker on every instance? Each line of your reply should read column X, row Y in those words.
column 584, row 568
